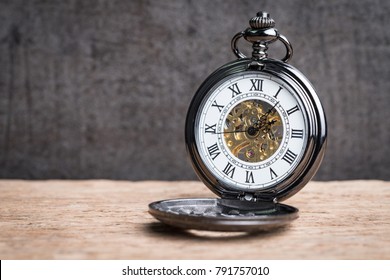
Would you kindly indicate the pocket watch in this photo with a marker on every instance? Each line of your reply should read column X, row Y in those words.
column 256, row 134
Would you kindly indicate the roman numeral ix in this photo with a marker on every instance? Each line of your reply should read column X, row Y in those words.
column 211, row 128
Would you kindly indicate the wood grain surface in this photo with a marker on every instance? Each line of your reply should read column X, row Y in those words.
column 109, row 220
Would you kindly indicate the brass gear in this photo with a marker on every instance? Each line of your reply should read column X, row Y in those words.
column 253, row 130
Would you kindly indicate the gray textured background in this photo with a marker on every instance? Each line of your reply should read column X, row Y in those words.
column 100, row 89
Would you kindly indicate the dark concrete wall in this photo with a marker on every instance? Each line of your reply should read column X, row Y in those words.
column 100, row 89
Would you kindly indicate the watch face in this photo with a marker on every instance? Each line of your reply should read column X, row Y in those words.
column 250, row 131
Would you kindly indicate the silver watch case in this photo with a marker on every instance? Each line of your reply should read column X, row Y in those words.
column 260, row 209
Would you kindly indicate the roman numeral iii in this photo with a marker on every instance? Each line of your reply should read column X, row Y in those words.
column 289, row 156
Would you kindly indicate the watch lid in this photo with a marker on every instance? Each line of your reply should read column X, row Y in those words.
column 222, row 214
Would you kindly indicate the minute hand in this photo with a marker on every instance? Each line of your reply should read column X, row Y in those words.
column 223, row 132
column 264, row 116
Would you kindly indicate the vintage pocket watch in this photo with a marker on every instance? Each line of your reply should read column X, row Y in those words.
column 256, row 134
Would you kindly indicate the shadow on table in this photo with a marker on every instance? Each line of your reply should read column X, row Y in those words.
column 160, row 229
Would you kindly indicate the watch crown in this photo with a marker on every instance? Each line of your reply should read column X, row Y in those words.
column 262, row 20
column 261, row 33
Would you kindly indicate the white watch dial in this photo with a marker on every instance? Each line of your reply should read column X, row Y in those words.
column 250, row 131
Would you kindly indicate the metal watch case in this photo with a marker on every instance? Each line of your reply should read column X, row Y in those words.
column 316, row 125
column 255, row 209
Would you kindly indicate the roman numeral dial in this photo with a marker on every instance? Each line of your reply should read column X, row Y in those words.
column 250, row 132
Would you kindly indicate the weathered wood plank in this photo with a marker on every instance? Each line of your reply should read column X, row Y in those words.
column 109, row 220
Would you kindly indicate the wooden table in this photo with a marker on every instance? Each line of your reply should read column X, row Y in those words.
column 109, row 220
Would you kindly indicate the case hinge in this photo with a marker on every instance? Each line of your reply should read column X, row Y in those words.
column 258, row 197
